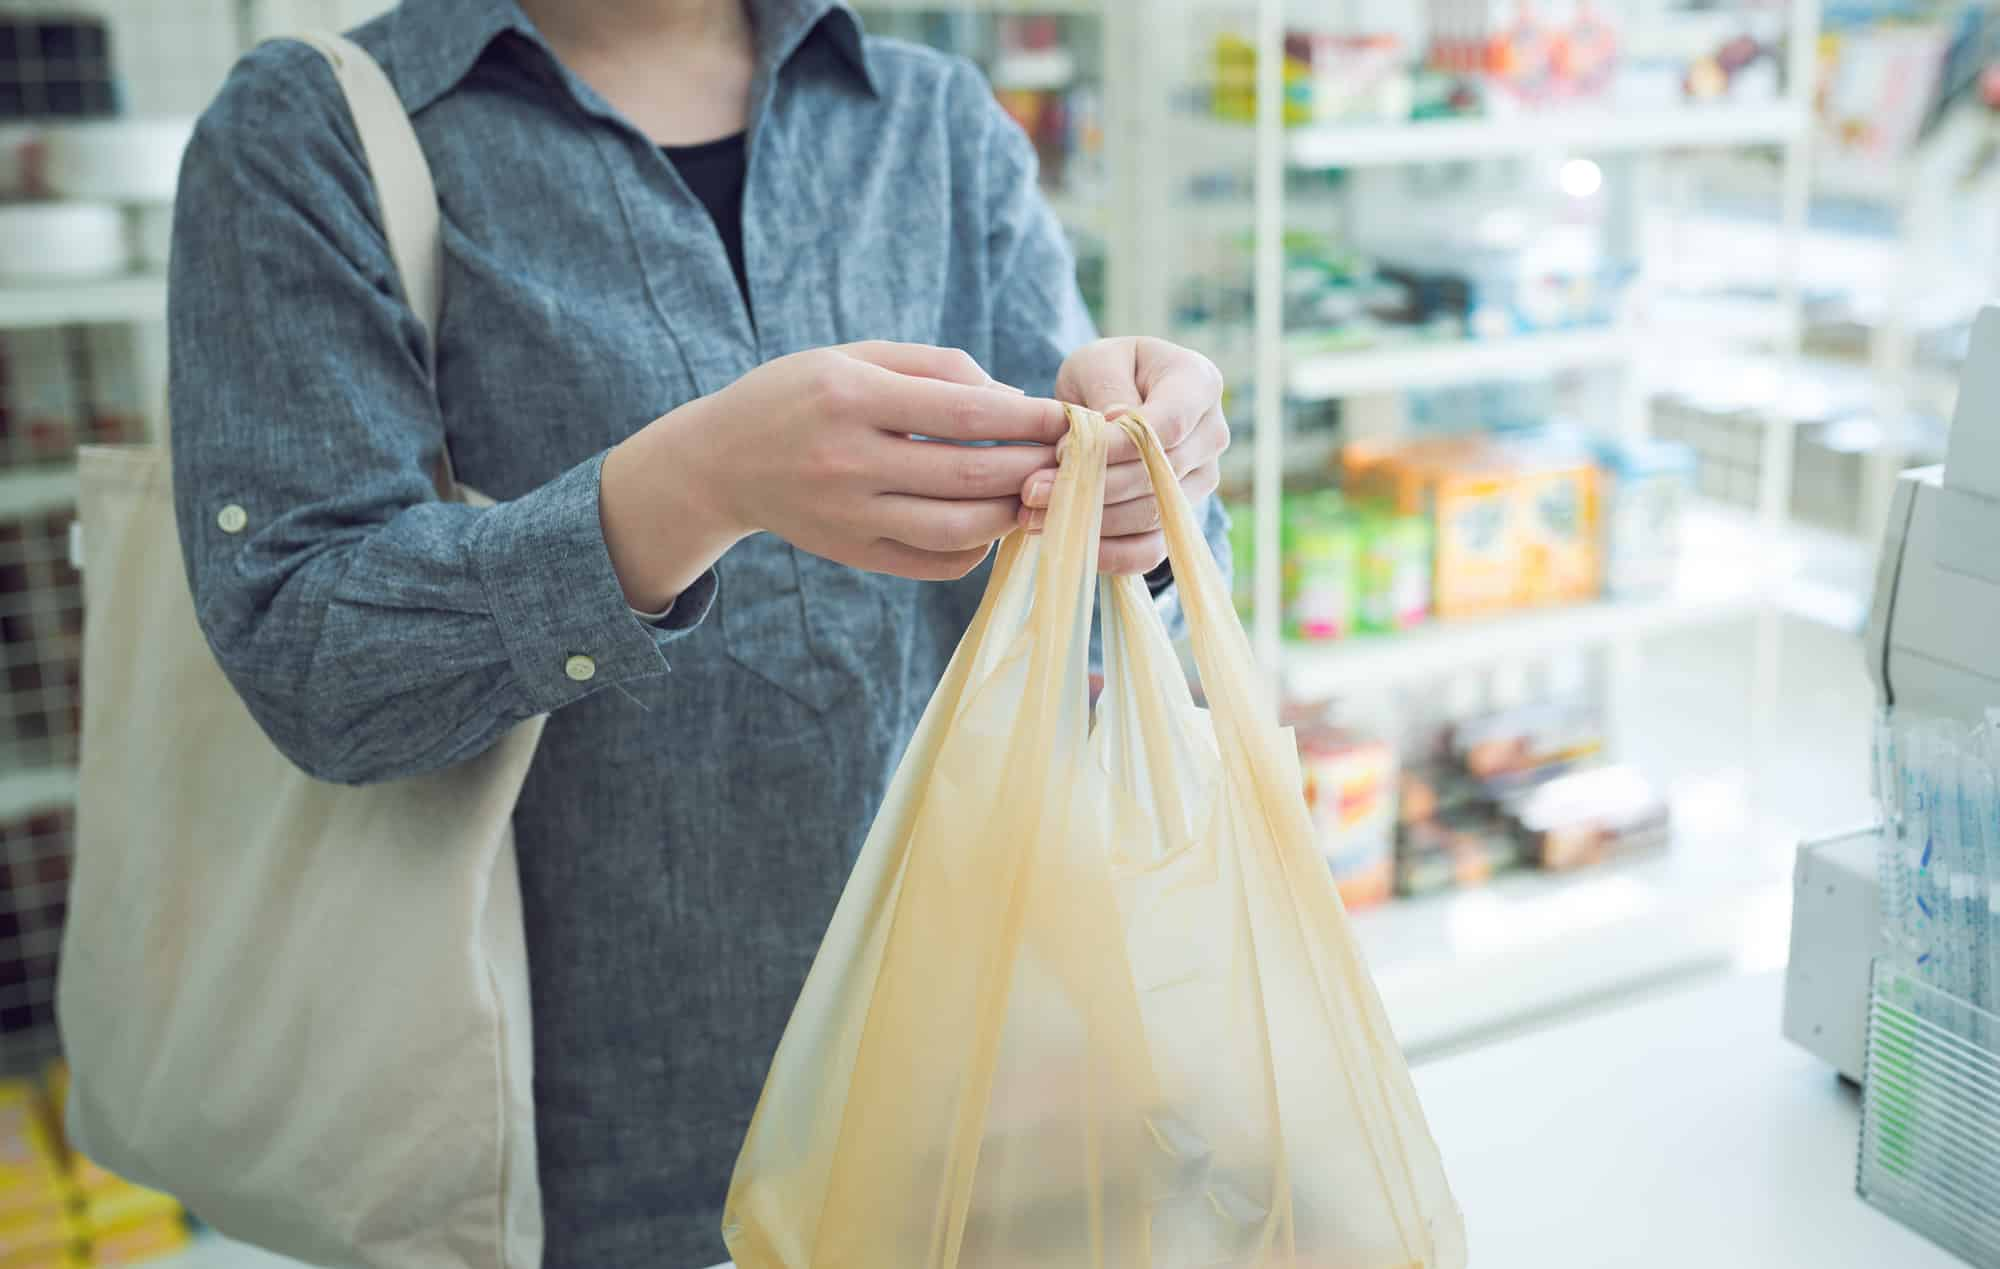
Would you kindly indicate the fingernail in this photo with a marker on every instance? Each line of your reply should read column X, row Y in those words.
column 1038, row 489
column 1036, row 519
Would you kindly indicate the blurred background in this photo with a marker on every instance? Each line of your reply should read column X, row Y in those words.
column 1574, row 348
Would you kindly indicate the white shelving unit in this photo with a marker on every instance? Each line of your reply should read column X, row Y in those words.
column 1573, row 131
column 140, row 297
column 1629, row 346
column 1400, row 368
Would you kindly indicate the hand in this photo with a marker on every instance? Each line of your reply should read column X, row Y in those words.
column 816, row 448
column 1180, row 393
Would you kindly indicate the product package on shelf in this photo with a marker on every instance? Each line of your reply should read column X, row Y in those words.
column 1589, row 817
column 1516, row 521
column 1647, row 487
column 1350, row 785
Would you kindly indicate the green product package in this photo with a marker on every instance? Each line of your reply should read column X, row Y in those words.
column 1394, row 586
column 1322, row 556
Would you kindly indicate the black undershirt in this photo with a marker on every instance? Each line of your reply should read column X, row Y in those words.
column 714, row 172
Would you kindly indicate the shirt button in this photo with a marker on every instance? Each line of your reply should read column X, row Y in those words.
column 581, row 668
column 232, row 519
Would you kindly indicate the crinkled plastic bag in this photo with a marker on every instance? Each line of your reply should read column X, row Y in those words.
column 1090, row 998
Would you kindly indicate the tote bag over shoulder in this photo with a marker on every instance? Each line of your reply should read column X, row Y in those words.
column 299, row 1007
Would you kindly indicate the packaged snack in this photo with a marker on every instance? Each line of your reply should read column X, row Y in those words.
column 1395, row 574
column 1511, row 749
column 1480, row 560
column 1557, row 521
column 1321, row 559
column 1589, row 816
column 1350, row 791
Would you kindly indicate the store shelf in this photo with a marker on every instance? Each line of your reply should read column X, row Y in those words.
column 1725, row 572
column 1434, row 365
column 138, row 298
column 36, row 490
column 36, row 789
column 1459, row 968
column 1605, row 131
column 1037, row 7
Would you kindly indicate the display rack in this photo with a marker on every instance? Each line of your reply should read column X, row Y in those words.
column 138, row 298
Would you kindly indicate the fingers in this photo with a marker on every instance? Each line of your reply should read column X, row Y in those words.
column 1127, row 481
column 948, row 365
column 951, row 411
column 904, row 560
column 1140, row 515
column 1141, row 553
column 934, row 525
column 898, row 464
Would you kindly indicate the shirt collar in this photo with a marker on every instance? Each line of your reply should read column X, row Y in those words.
column 439, row 41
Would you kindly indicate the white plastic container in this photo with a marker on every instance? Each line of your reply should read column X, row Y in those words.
column 62, row 242
column 117, row 160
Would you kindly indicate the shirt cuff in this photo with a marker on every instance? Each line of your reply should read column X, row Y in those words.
column 561, row 614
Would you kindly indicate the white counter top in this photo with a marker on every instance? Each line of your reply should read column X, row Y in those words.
column 1681, row 1131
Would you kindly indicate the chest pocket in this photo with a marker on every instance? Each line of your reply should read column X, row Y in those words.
column 811, row 628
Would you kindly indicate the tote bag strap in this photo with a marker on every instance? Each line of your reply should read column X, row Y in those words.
column 403, row 188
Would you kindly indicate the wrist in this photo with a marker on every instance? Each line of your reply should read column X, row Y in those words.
column 664, row 513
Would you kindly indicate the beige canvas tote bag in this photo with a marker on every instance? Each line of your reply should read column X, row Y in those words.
column 302, row 1008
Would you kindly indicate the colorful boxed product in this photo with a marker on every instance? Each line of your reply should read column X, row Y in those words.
column 1321, row 559
column 1555, row 505
column 138, row 1244
column 1395, row 575
column 1350, row 790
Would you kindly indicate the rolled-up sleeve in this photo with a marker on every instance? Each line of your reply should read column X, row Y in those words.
column 1039, row 315
column 374, row 630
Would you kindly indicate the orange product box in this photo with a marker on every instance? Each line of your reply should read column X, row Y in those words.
column 1481, row 550
column 1560, row 532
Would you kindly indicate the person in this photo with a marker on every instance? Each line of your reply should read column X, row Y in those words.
column 718, row 278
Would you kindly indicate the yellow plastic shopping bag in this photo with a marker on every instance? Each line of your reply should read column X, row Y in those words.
column 1090, row 998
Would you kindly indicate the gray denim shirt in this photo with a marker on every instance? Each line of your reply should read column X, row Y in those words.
column 703, row 785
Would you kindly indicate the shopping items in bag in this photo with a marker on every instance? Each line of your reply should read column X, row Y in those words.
column 299, row 1007
column 1090, row 998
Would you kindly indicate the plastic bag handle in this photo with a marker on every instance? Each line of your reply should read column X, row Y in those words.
column 1222, row 651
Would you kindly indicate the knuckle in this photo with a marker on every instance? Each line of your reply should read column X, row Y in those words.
column 965, row 363
column 833, row 388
